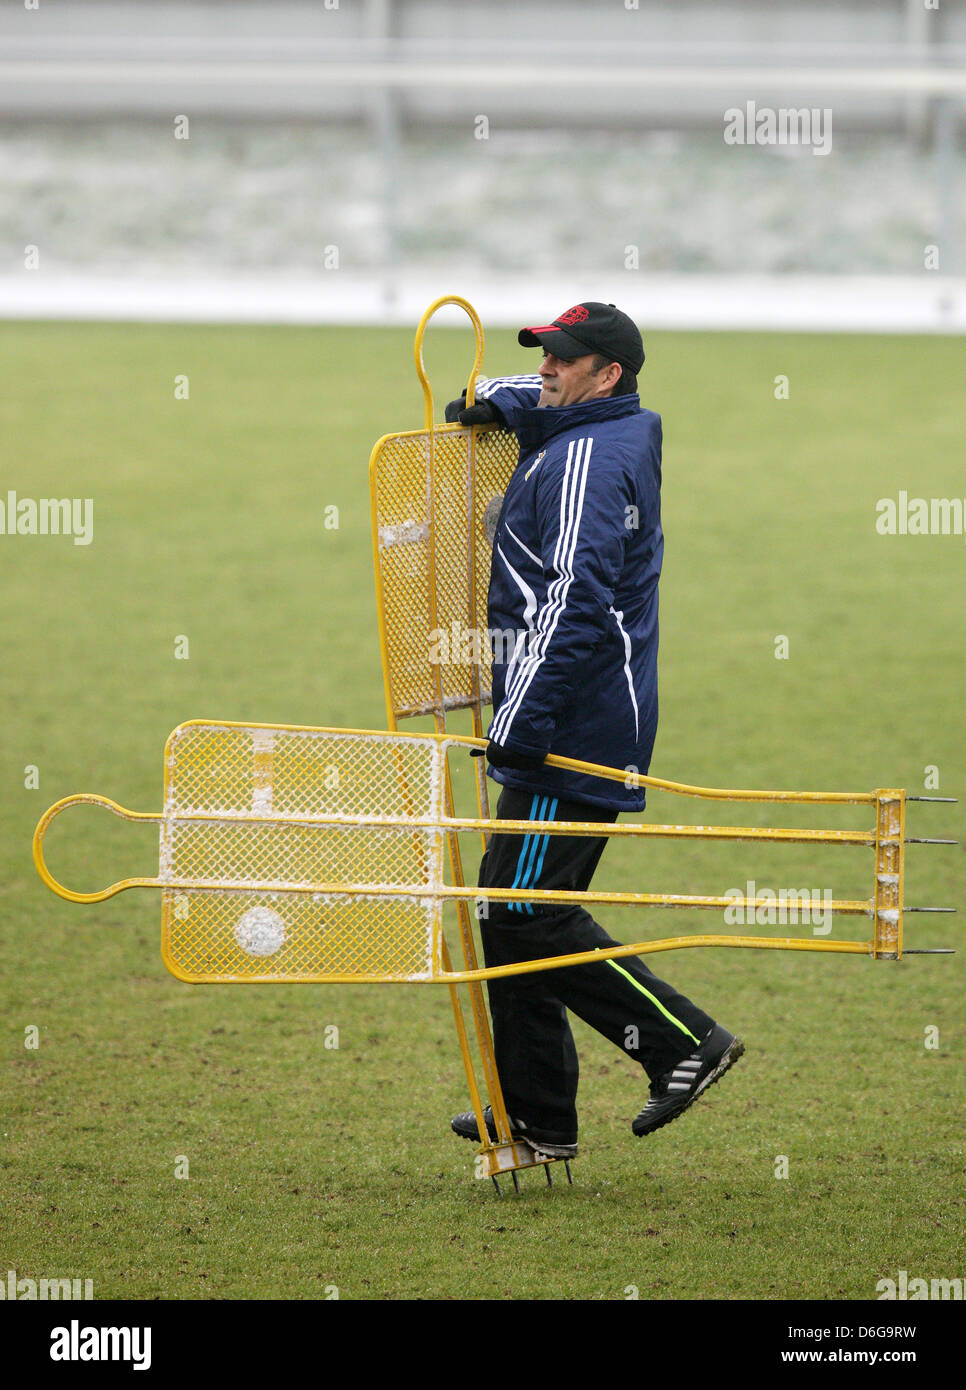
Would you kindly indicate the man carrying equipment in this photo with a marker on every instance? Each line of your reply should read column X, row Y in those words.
column 576, row 560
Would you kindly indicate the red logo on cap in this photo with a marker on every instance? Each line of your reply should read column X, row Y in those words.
column 575, row 315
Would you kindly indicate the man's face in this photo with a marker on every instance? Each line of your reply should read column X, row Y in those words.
column 568, row 381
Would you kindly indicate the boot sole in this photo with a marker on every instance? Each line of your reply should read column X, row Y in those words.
column 551, row 1150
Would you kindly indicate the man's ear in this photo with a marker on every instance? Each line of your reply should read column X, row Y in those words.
column 612, row 375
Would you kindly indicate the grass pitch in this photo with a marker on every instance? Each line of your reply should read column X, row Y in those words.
column 312, row 1168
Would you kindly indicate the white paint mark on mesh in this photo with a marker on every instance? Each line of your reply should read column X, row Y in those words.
column 260, row 931
column 886, row 879
column 437, row 764
column 437, row 768
column 890, row 915
column 404, row 533
column 462, row 701
column 372, row 893
column 263, row 747
column 169, row 767
column 166, row 852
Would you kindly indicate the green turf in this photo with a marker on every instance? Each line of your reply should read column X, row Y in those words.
column 312, row 1167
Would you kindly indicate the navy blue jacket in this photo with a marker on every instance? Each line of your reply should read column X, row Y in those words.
column 576, row 560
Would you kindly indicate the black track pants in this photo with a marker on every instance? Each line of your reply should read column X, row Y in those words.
column 535, row 1053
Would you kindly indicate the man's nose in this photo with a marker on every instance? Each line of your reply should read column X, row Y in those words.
column 546, row 366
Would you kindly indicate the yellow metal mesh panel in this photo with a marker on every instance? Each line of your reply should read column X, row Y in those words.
column 280, row 853
column 470, row 473
column 215, row 926
column 224, row 938
column 226, row 768
column 210, row 768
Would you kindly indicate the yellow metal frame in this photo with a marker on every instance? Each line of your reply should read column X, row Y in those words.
column 504, row 1153
column 884, row 906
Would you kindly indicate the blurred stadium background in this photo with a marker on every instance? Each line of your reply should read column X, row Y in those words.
column 345, row 159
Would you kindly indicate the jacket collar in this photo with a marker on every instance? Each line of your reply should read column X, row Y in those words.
column 537, row 425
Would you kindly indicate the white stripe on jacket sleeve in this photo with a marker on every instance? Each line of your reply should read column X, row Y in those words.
column 485, row 386
column 555, row 604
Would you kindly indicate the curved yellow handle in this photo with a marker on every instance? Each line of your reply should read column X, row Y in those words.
column 418, row 351
column 68, row 893
column 632, row 778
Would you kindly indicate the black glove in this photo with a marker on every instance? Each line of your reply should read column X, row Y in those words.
column 503, row 757
column 483, row 413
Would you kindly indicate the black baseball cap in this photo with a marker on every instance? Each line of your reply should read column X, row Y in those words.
column 590, row 327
